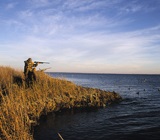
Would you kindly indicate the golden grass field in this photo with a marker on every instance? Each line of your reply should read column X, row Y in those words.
column 21, row 107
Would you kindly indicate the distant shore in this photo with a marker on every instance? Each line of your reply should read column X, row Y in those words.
column 22, row 107
column 99, row 73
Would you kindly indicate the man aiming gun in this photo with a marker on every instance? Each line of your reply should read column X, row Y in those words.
column 30, row 70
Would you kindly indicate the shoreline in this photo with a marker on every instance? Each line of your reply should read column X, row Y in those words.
column 22, row 107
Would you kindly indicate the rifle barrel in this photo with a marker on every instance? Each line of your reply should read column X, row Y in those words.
column 41, row 62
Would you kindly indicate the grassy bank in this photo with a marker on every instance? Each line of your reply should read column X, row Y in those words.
column 21, row 107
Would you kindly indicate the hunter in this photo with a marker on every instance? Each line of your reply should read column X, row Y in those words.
column 30, row 69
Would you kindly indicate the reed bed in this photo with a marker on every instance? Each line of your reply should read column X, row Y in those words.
column 22, row 106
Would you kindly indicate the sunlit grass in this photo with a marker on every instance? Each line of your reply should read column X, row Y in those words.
column 21, row 107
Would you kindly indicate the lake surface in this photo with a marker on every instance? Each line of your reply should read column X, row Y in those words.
column 136, row 117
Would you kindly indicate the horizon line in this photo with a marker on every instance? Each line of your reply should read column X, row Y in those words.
column 104, row 73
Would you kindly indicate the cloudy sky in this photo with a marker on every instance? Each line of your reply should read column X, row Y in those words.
column 97, row 36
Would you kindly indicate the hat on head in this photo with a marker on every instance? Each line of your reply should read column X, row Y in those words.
column 29, row 59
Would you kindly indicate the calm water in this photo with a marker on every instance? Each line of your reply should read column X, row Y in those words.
column 136, row 117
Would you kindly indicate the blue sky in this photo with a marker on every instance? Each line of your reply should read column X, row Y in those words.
column 97, row 36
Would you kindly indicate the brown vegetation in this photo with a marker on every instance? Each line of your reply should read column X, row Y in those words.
column 21, row 107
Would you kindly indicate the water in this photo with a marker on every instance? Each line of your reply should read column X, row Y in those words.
column 136, row 117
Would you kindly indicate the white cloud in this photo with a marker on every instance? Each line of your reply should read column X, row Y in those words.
column 93, row 51
column 11, row 5
column 38, row 3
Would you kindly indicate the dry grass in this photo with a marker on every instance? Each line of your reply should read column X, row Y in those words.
column 21, row 107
